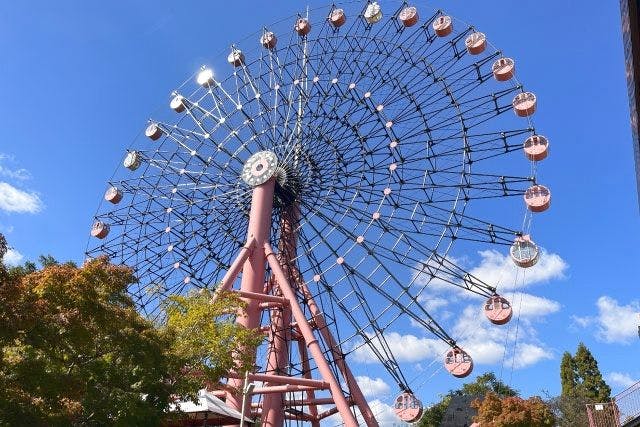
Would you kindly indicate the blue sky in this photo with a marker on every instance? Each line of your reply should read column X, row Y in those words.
column 80, row 79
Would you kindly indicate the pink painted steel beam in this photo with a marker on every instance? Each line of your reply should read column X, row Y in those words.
column 285, row 389
column 306, row 372
column 280, row 379
column 254, row 268
column 356, row 393
column 327, row 413
column 311, row 341
column 262, row 297
column 287, row 416
column 234, row 270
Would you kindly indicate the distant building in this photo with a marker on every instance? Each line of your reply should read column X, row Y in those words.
column 459, row 413
column 630, row 10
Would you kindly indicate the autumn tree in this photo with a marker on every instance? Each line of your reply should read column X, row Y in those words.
column 512, row 411
column 485, row 383
column 75, row 351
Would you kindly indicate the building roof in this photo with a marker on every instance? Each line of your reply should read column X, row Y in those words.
column 209, row 408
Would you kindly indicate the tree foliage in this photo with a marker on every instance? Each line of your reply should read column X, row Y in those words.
column 588, row 379
column 513, row 411
column 205, row 340
column 567, row 375
column 74, row 350
column 485, row 383
column 433, row 416
column 581, row 383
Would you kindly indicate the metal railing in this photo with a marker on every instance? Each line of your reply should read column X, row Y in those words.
column 622, row 411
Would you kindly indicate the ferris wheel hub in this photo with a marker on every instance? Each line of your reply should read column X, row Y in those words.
column 260, row 167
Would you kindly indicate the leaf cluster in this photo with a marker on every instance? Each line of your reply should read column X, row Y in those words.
column 485, row 383
column 513, row 411
column 75, row 351
column 206, row 341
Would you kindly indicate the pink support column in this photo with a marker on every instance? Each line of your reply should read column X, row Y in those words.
column 273, row 408
column 254, row 268
column 354, row 388
column 312, row 343
column 279, row 295
column 311, row 396
column 280, row 336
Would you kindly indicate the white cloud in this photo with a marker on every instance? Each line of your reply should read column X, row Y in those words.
column 497, row 269
column 529, row 354
column 620, row 379
column 372, row 387
column 6, row 229
column 617, row 323
column 12, row 257
column 384, row 414
column 432, row 303
column 486, row 342
column 405, row 348
column 614, row 323
column 15, row 200
column 527, row 305
column 582, row 322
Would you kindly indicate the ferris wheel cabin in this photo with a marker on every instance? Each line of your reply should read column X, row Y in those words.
column 458, row 362
column 407, row 407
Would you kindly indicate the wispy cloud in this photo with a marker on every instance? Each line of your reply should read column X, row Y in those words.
column 531, row 306
column 495, row 269
column 12, row 173
column 487, row 344
column 405, row 348
column 384, row 414
column 13, row 199
column 491, row 344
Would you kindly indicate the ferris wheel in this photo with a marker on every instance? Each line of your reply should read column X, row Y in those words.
column 340, row 163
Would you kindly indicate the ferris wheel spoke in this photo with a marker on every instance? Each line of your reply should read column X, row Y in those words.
column 429, row 324
column 384, row 354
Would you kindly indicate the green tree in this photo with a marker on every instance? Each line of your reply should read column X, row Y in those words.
column 74, row 350
column 433, row 416
column 513, row 411
column 485, row 383
column 205, row 339
column 4, row 247
column 581, row 383
column 589, row 381
column 567, row 375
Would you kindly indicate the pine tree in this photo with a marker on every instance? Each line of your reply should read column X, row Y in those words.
column 590, row 384
column 582, row 383
column 567, row 375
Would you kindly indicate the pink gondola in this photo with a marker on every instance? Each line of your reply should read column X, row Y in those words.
column 498, row 310
column 458, row 362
